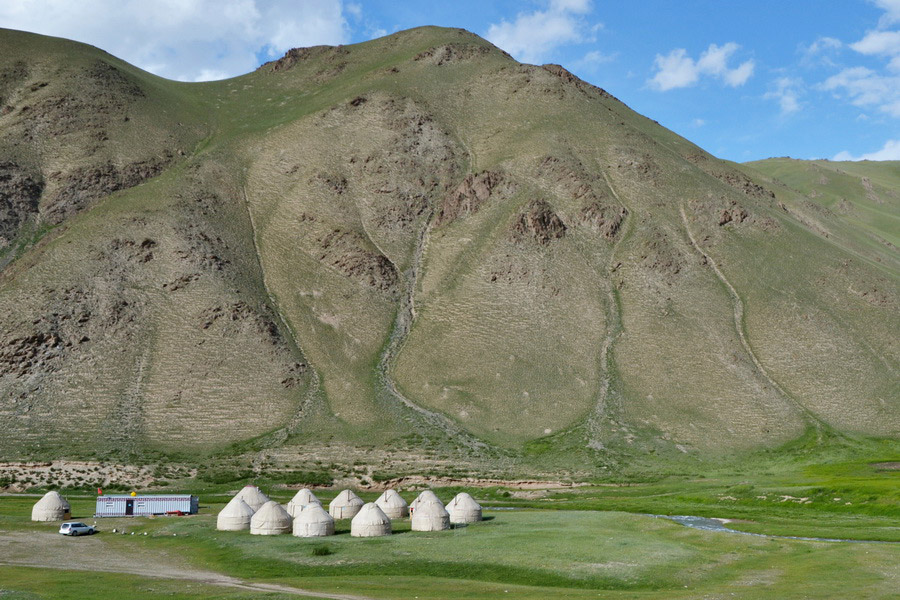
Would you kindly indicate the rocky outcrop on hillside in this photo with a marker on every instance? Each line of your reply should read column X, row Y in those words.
column 76, row 189
column 471, row 194
column 537, row 223
column 20, row 191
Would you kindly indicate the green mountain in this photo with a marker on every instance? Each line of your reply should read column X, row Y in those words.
column 419, row 249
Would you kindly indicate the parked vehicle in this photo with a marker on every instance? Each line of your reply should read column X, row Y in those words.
column 76, row 528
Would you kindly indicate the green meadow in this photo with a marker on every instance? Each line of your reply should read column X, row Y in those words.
column 582, row 542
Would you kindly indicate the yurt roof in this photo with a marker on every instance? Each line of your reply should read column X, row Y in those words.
column 371, row 514
column 464, row 501
column 314, row 514
column 305, row 496
column 236, row 507
column 253, row 496
column 391, row 498
column 52, row 501
column 271, row 512
column 428, row 509
column 426, row 496
column 347, row 498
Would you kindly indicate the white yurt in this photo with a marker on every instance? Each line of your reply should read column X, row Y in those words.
column 252, row 496
column 393, row 505
column 426, row 496
column 301, row 499
column 430, row 516
column 52, row 507
column 345, row 505
column 313, row 521
column 235, row 516
column 370, row 521
column 464, row 509
column 271, row 519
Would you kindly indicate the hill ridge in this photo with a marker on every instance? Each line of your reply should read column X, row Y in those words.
column 418, row 243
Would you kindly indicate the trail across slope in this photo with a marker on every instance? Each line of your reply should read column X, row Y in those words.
column 810, row 418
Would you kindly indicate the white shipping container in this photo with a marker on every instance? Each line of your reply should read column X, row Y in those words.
column 127, row 505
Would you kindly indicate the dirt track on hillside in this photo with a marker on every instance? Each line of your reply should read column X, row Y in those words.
column 53, row 551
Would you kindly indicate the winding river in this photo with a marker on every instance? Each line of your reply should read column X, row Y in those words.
column 708, row 524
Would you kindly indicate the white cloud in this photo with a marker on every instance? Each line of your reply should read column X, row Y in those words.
column 715, row 58
column 820, row 51
column 739, row 76
column 354, row 9
column 890, row 151
column 532, row 37
column 865, row 87
column 185, row 39
column 698, row 122
column 786, row 91
column 891, row 10
column 884, row 43
column 595, row 57
column 678, row 70
column 824, row 43
column 576, row 6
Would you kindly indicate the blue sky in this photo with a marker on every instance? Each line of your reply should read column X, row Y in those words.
column 743, row 79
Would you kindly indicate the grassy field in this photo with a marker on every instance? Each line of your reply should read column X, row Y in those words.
column 528, row 553
column 596, row 540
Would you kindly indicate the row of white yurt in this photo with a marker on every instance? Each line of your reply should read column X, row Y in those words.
column 238, row 513
column 51, row 507
column 305, row 516
column 245, row 511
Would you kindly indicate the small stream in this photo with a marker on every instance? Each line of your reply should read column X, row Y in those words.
column 708, row 524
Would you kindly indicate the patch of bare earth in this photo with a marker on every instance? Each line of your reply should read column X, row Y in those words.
column 887, row 466
column 52, row 551
column 424, row 481
column 378, row 469
column 67, row 473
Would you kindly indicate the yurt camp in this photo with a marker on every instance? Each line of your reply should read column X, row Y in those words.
column 235, row 516
column 313, row 521
column 393, row 505
column 345, row 506
column 464, row 509
column 430, row 516
column 370, row 521
column 426, row 496
column 271, row 519
column 252, row 496
column 52, row 507
column 301, row 499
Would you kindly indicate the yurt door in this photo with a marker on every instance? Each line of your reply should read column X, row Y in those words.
column 129, row 507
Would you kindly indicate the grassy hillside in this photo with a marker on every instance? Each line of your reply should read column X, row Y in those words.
column 417, row 246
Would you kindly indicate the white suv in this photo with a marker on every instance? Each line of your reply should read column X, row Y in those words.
column 75, row 528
